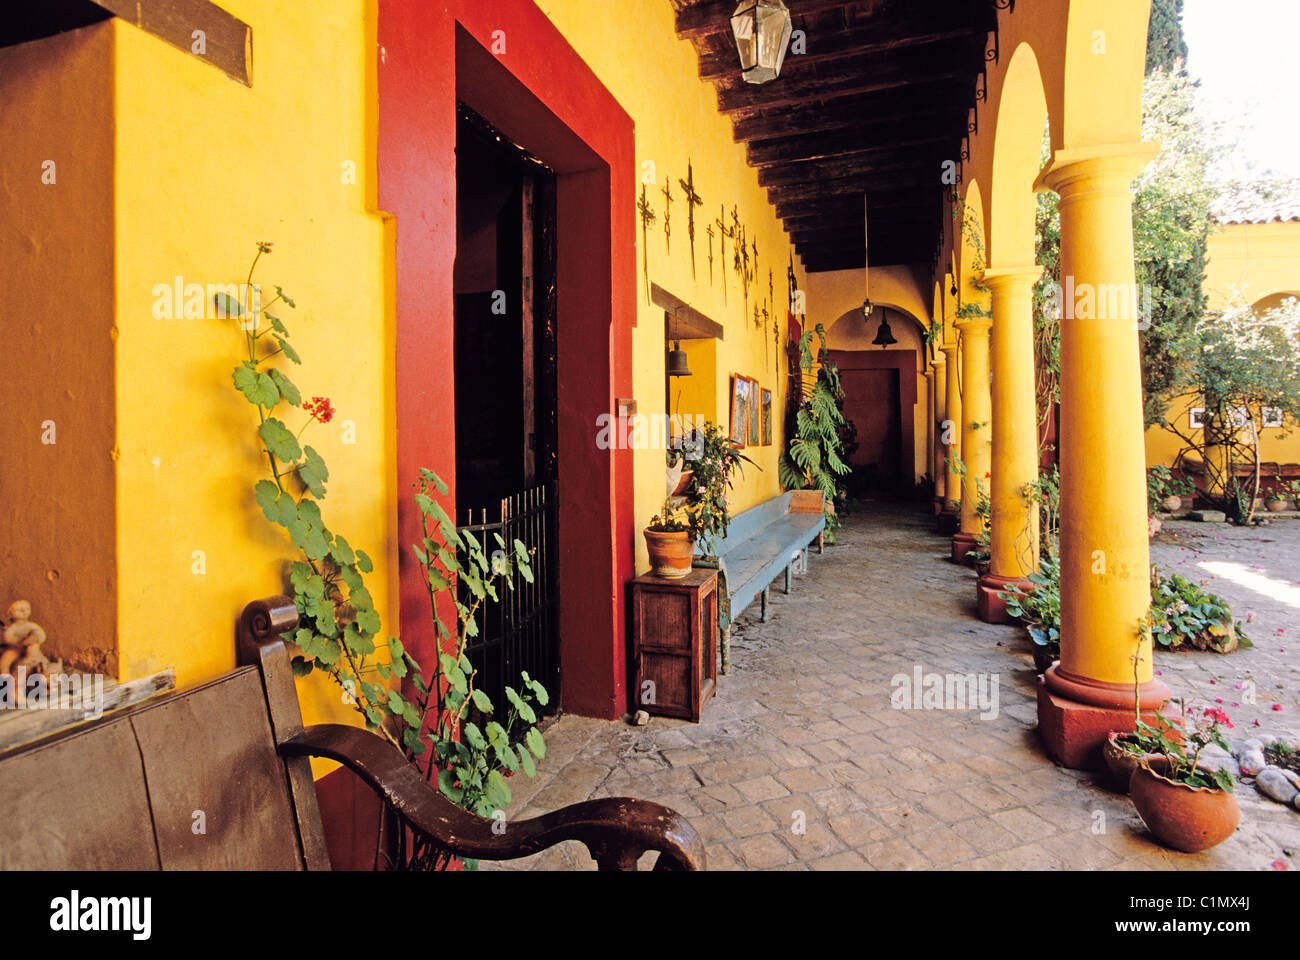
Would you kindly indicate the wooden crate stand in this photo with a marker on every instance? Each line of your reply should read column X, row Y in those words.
column 675, row 631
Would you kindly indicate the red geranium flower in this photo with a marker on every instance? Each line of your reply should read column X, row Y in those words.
column 319, row 409
column 1218, row 716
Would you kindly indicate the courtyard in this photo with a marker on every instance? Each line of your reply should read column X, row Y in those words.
column 802, row 763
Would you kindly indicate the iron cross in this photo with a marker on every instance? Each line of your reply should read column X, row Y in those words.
column 647, row 217
column 668, row 212
column 693, row 200
column 723, row 232
column 710, row 233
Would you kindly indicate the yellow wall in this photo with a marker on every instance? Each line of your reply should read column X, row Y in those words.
column 57, row 546
column 633, row 48
column 272, row 168
column 835, row 301
column 1246, row 263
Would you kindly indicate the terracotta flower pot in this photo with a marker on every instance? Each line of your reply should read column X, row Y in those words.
column 1186, row 818
column 670, row 553
column 1277, row 506
column 1121, row 762
column 1172, row 504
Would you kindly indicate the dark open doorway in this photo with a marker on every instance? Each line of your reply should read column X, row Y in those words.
column 506, row 403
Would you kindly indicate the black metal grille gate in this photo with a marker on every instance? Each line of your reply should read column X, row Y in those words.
column 518, row 633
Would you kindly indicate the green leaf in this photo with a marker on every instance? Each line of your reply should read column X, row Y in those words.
column 257, row 387
column 276, row 325
column 526, row 760
column 301, row 667
column 313, row 473
column 506, row 756
column 342, row 553
column 364, row 563
column 522, row 708
column 278, row 439
column 446, row 783
column 286, row 388
column 535, row 743
column 473, row 736
column 309, row 512
column 267, row 494
column 497, row 793
column 285, row 297
column 482, row 702
column 227, row 306
column 288, row 351
column 314, row 544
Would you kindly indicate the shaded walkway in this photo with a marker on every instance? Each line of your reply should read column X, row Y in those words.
column 803, row 734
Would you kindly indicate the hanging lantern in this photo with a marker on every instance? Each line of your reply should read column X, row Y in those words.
column 676, row 366
column 762, row 29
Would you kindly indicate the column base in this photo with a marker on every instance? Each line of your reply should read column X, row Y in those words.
column 992, row 608
column 947, row 523
column 962, row 544
column 1075, row 715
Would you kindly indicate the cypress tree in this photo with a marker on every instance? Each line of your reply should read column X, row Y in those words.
column 1165, row 41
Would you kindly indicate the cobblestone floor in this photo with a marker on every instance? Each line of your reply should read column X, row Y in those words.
column 803, row 731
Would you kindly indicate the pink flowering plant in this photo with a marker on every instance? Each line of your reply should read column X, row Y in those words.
column 714, row 460
column 1179, row 745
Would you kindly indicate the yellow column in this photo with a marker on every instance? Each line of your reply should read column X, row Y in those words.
column 950, row 435
column 1105, row 588
column 976, row 414
column 1014, row 535
column 938, row 413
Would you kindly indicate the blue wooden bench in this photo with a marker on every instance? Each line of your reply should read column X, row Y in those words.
column 761, row 544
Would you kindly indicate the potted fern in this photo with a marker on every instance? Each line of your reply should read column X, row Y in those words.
column 814, row 457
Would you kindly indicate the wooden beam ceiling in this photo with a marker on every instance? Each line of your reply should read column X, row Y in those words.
column 872, row 103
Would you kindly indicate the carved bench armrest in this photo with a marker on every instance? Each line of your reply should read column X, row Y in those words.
column 616, row 830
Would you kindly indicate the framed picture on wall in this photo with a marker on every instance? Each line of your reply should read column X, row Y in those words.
column 1270, row 416
column 767, row 418
column 1196, row 418
column 739, row 410
column 755, row 414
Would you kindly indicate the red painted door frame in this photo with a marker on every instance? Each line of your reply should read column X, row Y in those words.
column 904, row 361
column 536, row 89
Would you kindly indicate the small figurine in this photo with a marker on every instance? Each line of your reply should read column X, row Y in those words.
column 22, row 641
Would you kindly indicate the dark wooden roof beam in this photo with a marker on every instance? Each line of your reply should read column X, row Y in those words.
column 798, row 93
column 829, row 46
column 714, row 16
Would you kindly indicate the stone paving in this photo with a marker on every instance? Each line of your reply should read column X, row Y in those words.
column 802, row 732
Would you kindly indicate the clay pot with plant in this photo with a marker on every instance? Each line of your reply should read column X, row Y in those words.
column 1276, row 501
column 670, row 542
column 1185, row 805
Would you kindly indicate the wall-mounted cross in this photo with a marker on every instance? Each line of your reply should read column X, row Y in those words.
column 647, row 217
column 723, row 233
column 693, row 200
column 668, row 213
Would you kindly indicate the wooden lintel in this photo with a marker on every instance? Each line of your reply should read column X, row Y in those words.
column 197, row 27
column 683, row 318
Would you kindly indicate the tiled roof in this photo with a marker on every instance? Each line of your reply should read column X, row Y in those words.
column 1258, row 201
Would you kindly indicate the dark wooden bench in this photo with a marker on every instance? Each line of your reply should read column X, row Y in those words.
column 219, row 777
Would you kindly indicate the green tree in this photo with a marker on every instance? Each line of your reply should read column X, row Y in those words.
column 1165, row 42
